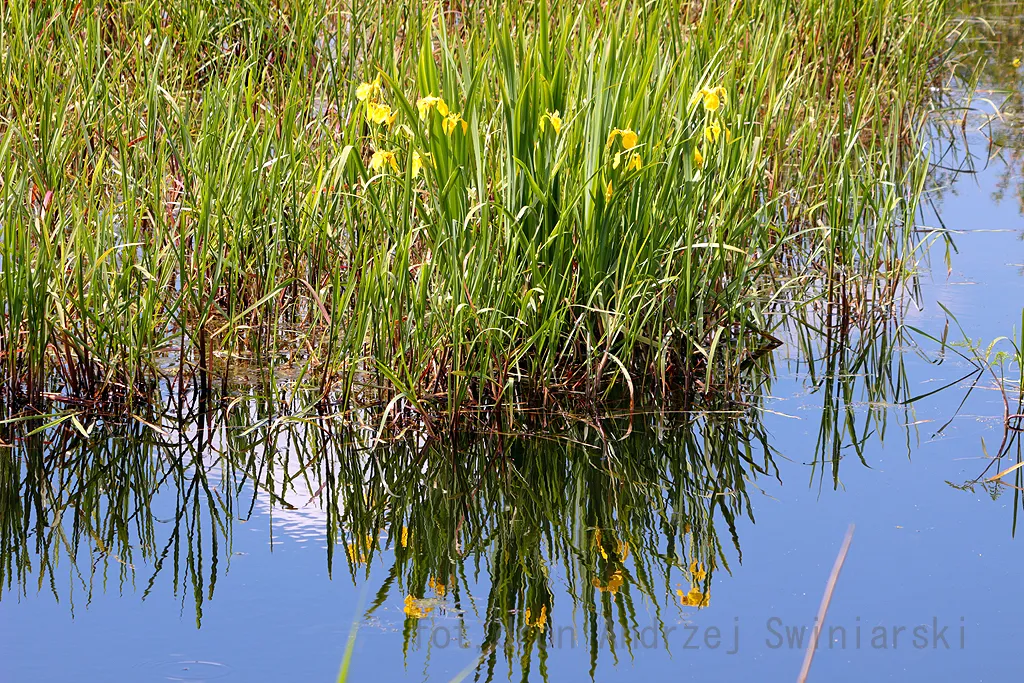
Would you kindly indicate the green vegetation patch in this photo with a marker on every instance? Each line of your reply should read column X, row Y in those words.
column 448, row 207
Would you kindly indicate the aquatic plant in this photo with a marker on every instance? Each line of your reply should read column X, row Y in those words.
column 446, row 209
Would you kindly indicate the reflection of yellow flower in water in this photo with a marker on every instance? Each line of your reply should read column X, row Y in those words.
column 615, row 582
column 621, row 547
column 694, row 598
column 405, row 529
column 437, row 586
column 357, row 552
column 697, row 571
column 556, row 121
column 415, row 608
column 713, row 98
column 425, row 104
column 542, row 618
column 382, row 158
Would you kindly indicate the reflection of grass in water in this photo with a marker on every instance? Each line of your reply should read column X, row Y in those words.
column 620, row 509
column 205, row 196
column 989, row 50
column 1006, row 370
column 614, row 519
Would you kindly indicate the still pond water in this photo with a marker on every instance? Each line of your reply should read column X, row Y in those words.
column 202, row 554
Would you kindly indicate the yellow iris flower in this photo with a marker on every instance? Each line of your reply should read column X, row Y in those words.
column 555, row 118
column 713, row 98
column 628, row 136
column 382, row 158
column 635, row 161
column 368, row 91
column 425, row 104
column 417, row 166
column 698, row 158
column 1016, row 62
column 712, row 132
column 451, row 121
column 607, row 197
column 380, row 113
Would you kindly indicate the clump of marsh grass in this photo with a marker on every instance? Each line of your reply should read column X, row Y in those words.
column 443, row 208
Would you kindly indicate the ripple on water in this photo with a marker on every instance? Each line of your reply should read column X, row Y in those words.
column 179, row 668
